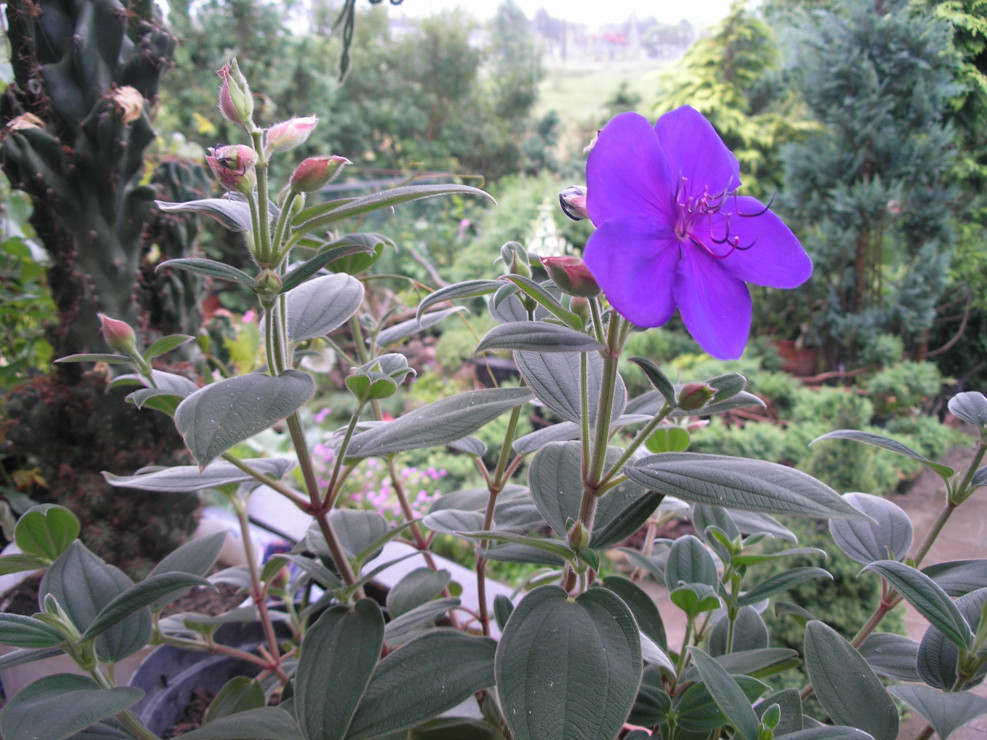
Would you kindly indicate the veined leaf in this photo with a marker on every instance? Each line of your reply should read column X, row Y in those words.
column 888, row 444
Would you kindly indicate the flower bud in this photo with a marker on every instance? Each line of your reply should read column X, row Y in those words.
column 571, row 275
column 233, row 165
column 315, row 172
column 573, row 203
column 236, row 102
column 119, row 335
column 267, row 284
column 695, row 395
column 291, row 133
column 579, row 537
column 580, row 306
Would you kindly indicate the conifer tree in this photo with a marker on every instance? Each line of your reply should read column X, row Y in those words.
column 866, row 191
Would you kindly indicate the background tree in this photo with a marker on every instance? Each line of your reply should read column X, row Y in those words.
column 867, row 193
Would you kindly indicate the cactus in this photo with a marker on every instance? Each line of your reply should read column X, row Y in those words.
column 76, row 124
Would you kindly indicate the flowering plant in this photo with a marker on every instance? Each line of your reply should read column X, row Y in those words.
column 581, row 653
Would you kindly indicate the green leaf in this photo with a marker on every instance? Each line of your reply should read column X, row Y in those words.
column 223, row 414
column 109, row 359
column 739, row 483
column 165, row 345
column 164, row 587
column 847, row 688
column 62, row 705
column 266, row 723
column 17, row 563
column 324, row 215
column 697, row 710
column 408, row 328
column 84, row 585
column 695, row 598
column 319, row 306
column 233, row 213
column 928, row 599
column 338, row 657
column 185, row 478
column 568, row 670
column 438, row 423
column 537, row 336
column 657, row 378
column 827, row 733
column 891, row 656
column 642, row 606
column 546, row 299
column 209, row 268
column 689, row 562
column 887, row 536
column 240, row 694
column 557, row 490
column 457, row 291
column 454, row 728
column 423, row 678
column 782, row 582
column 555, row 379
column 945, row 711
column 46, row 531
column 557, row 548
column 956, row 577
column 888, row 444
column 27, row 655
column 24, row 632
column 749, row 633
column 727, row 694
column 759, row 663
column 971, row 407
column 418, row 620
column 414, row 589
column 668, row 439
column 938, row 656
column 351, row 247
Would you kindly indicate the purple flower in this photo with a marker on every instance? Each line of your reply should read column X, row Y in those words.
column 673, row 233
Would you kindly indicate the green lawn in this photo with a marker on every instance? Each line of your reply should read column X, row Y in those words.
column 579, row 94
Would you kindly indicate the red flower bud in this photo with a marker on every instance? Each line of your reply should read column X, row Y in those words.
column 315, row 172
column 695, row 395
column 231, row 165
column 573, row 203
column 571, row 275
column 118, row 335
column 236, row 102
column 291, row 133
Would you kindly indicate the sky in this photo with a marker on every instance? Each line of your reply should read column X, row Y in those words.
column 591, row 12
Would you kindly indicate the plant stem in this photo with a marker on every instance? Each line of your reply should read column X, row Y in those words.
column 269, row 482
column 256, row 589
column 926, row 733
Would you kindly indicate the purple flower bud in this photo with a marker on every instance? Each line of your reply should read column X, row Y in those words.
column 315, row 172
column 118, row 335
column 571, row 275
column 695, row 395
column 291, row 133
column 573, row 202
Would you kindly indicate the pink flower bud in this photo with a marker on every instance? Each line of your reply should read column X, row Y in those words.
column 118, row 335
column 236, row 102
column 231, row 165
column 571, row 275
column 291, row 133
column 315, row 172
column 573, row 202
column 695, row 395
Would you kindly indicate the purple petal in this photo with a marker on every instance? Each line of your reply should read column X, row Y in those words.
column 767, row 252
column 626, row 172
column 715, row 306
column 696, row 152
column 635, row 260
